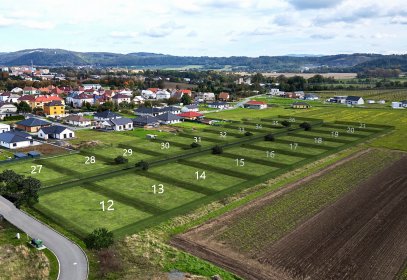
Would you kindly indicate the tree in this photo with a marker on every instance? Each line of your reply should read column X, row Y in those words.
column 217, row 150
column 195, row 145
column 186, row 99
column 23, row 107
column 269, row 137
column 286, row 123
column 144, row 165
column 306, row 126
column 248, row 133
column 99, row 238
column 121, row 160
column 19, row 189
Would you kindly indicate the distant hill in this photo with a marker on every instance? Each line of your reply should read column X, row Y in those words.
column 340, row 62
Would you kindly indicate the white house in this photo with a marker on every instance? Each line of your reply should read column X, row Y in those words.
column 218, row 105
column 354, row 100
column 205, row 96
column 399, row 105
column 80, row 99
column 77, row 120
column 163, row 94
column 17, row 90
column 120, row 98
column 4, row 127
column 119, row 124
column 273, row 91
column 56, row 132
column 127, row 92
column 15, row 139
column 168, row 118
column 7, row 109
column 148, row 94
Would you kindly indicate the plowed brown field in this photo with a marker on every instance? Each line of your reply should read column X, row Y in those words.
column 363, row 235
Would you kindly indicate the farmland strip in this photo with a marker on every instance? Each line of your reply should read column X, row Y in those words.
column 256, row 160
column 139, row 150
column 280, row 151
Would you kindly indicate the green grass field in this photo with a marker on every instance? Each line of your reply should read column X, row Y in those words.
column 142, row 198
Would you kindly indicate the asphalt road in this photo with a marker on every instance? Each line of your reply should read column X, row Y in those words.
column 73, row 261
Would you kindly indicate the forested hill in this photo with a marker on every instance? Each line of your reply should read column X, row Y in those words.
column 338, row 63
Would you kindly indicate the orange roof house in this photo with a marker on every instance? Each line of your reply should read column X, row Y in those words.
column 43, row 99
column 224, row 96
column 190, row 115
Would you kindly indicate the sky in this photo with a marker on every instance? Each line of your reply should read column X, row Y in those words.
column 206, row 27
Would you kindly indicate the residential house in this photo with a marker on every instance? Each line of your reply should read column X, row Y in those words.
column 106, row 116
column 138, row 99
column 185, row 91
column 41, row 100
column 300, row 105
column 54, row 109
column 168, row 118
column 4, row 127
column 170, row 109
column 294, row 95
column 163, row 94
column 354, row 100
column 78, row 100
column 56, row 132
column 9, row 97
column 146, row 121
column 223, row 96
column 146, row 111
column 15, row 140
column 190, row 115
column 205, row 96
column 191, row 107
column 218, row 105
column 77, row 120
column 126, row 91
column 29, row 99
column 32, row 124
column 299, row 94
column 120, row 98
column 310, row 96
column 17, row 90
column 7, row 110
column 258, row 105
column 399, row 105
column 338, row 99
column 117, row 124
column 91, row 86
column 273, row 92
column 148, row 94
column 30, row 90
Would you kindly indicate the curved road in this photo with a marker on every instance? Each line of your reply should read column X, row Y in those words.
column 72, row 260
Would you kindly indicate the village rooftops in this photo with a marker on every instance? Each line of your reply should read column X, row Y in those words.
column 167, row 117
column 14, row 136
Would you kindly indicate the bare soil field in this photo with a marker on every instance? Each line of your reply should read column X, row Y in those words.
column 362, row 235
column 45, row 150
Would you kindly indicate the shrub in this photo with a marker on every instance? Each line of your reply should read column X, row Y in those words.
column 269, row 137
column 121, row 160
column 99, row 238
column 217, row 150
column 144, row 165
column 248, row 133
column 13, row 118
column 195, row 145
column 286, row 123
column 306, row 126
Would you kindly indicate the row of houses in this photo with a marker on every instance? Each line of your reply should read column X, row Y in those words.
column 349, row 100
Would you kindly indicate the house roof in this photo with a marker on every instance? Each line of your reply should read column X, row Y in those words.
column 168, row 117
column 107, row 115
column 48, row 98
column 31, row 122
column 253, row 102
column 54, row 129
column 170, row 109
column 353, row 98
column 27, row 98
column 192, row 106
column 153, row 89
column 54, row 103
column 217, row 103
column 146, row 110
column 190, row 115
column 120, row 121
column 145, row 120
column 14, row 137
column 83, row 96
column 223, row 95
column 185, row 91
column 119, row 95
column 29, row 89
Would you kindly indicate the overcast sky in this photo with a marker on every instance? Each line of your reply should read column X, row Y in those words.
column 206, row 27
